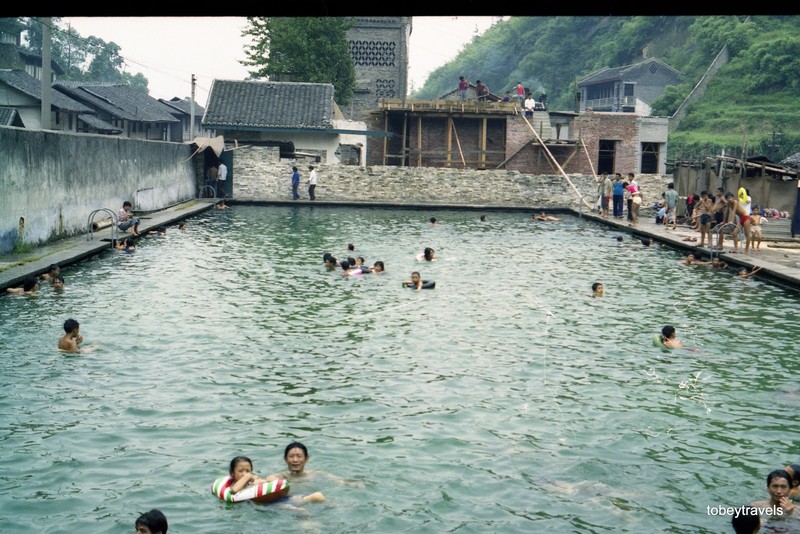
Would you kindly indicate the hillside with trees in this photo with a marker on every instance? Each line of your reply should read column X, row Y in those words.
column 749, row 108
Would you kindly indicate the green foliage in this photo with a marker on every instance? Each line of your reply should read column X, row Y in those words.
column 749, row 105
column 82, row 58
column 302, row 49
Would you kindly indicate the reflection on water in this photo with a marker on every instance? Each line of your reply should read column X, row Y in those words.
column 504, row 400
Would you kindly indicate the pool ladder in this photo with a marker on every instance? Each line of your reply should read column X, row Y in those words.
column 207, row 187
column 720, row 228
column 112, row 216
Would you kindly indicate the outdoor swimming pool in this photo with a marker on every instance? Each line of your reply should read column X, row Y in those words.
column 505, row 400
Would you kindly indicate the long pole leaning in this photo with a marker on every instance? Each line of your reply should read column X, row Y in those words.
column 555, row 163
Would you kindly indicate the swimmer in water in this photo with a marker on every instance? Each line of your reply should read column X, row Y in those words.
column 415, row 282
column 29, row 287
column 669, row 338
column 427, row 255
column 71, row 339
column 597, row 289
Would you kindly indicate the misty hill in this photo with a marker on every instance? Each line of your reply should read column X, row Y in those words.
column 750, row 106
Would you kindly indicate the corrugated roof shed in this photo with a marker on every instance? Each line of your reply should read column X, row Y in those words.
column 269, row 105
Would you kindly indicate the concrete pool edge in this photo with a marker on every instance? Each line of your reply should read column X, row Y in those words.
column 777, row 265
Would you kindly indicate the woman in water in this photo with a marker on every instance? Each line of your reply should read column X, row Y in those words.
column 296, row 456
column 427, row 255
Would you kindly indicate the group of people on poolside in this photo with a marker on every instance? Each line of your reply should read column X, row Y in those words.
column 781, row 510
column 730, row 214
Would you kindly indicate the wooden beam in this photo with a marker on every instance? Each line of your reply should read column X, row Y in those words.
column 484, row 127
column 553, row 159
column 419, row 141
column 458, row 143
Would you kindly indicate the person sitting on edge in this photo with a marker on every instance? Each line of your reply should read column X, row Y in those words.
column 597, row 289
column 71, row 339
column 415, row 282
column 126, row 220
column 29, row 287
column 152, row 522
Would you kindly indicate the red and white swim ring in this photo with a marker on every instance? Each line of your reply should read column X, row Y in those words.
column 260, row 493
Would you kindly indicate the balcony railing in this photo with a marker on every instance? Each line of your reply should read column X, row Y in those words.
column 609, row 103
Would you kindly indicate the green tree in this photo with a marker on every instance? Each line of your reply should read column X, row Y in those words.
column 302, row 49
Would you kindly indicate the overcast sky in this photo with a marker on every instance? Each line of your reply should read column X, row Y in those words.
column 168, row 50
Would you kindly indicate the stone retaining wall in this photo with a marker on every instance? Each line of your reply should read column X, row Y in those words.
column 260, row 175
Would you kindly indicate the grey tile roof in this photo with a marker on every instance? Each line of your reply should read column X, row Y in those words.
column 25, row 83
column 118, row 100
column 607, row 74
column 184, row 106
column 9, row 117
column 100, row 125
column 268, row 105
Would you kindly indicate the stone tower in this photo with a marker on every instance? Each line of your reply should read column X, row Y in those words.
column 379, row 47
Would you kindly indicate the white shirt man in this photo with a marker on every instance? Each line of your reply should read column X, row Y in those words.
column 530, row 104
column 222, row 175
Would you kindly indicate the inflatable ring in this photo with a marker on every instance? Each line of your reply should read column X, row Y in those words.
column 426, row 284
column 260, row 493
column 657, row 341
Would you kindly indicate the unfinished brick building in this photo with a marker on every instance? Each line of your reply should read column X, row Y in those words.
column 497, row 135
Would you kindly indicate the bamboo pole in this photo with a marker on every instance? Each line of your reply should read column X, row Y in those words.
column 555, row 163
column 458, row 143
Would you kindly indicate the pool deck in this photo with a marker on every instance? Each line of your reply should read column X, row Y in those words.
column 16, row 267
column 779, row 261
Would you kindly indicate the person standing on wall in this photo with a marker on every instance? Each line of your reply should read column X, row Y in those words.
column 295, row 183
column 463, row 85
column 481, row 90
column 530, row 105
column 222, row 175
column 312, row 182
column 520, row 96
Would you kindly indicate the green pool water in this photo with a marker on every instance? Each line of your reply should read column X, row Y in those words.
column 504, row 400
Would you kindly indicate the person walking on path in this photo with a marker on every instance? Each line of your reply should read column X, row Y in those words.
column 312, row 182
column 295, row 183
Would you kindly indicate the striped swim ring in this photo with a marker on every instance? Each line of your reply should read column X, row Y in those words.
column 261, row 493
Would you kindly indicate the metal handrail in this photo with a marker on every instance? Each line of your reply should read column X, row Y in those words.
column 112, row 216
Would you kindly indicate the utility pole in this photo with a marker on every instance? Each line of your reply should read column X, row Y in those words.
column 191, row 110
column 47, row 84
